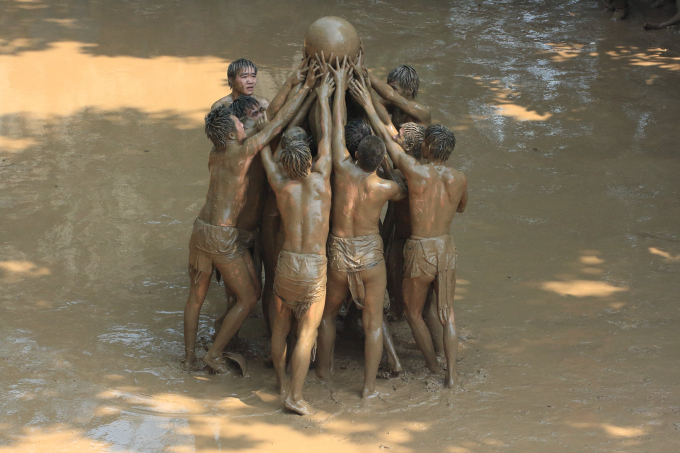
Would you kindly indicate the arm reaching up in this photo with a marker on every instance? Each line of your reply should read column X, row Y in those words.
column 274, row 175
column 323, row 163
column 297, row 77
column 402, row 161
column 412, row 108
column 341, row 76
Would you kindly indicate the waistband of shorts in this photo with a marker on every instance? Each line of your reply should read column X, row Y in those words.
column 355, row 238
column 304, row 255
column 418, row 238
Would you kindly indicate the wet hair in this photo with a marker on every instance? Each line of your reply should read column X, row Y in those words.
column 441, row 141
column 235, row 68
column 356, row 130
column 242, row 105
column 296, row 159
column 406, row 77
column 293, row 134
column 219, row 124
column 370, row 153
column 413, row 136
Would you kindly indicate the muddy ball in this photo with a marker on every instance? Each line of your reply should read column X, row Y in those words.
column 332, row 34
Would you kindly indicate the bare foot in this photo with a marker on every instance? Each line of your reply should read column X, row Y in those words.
column 300, row 406
column 216, row 363
column 368, row 394
column 190, row 362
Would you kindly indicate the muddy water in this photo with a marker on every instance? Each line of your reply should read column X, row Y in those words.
column 569, row 250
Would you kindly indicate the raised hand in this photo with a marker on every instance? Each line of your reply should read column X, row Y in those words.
column 300, row 74
column 326, row 88
column 262, row 122
column 323, row 64
column 360, row 93
column 341, row 74
column 313, row 74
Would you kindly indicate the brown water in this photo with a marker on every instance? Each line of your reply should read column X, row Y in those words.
column 569, row 252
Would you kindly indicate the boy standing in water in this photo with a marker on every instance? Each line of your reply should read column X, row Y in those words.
column 215, row 238
column 399, row 94
column 303, row 196
column 436, row 192
column 242, row 78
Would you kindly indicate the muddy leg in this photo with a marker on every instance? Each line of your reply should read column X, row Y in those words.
column 433, row 323
column 388, row 344
column 415, row 293
column 270, row 227
column 395, row 264
column 336, row 291
column 238, row 277
column 375, row 281
column 280, row 327
column 192, row 310
column 307, row 332
column 450, row 338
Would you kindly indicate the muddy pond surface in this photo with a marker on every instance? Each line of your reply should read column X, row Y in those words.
column 568, row 299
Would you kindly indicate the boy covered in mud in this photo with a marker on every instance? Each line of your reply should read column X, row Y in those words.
column 436, row 193
column 215, row 240
column 355, row 248
column 399, row 96
column 242, row 78
column 303, row 196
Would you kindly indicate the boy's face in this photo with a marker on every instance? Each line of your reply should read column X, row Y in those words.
column 244, row 82
column 399, row 90
column 252, row 116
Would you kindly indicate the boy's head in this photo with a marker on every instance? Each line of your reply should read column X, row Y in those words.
column 355, row 131
column 247, row 109
column 242, row 76
column 404, row 80
column 370, row 153
column 296, row 159
column 410, row 138
column 293, row 134
column 221, row 126
column 438, row 143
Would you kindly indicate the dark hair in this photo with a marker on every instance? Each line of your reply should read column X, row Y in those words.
column 294, row 134
column 296, row 159
column 441, row 141
column 237, row 66
column 370, row 153
column 356, row 130
column 406, row 77
column 219, row 124
column 413, row 136
column 242, row 105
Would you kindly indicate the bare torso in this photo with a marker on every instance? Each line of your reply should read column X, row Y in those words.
column 228, row 99
column 227, row 189
column 305, row 208
column 358, row 198
column 434, row 199
column 255, row 196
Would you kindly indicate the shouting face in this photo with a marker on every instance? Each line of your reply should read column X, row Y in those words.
column 244, row 82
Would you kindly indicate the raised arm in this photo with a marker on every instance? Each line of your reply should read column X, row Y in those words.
column 361, row 71
column 256, row 143
column 402, row 161
column 413, row 109
column 301, row 114
column 323, row 162
column 338, row 147
column 275, row 177
column 297, row 77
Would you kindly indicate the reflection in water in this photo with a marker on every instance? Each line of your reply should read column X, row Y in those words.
column 15, row 271
column 582, row 288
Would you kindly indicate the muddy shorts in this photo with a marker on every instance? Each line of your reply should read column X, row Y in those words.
column 433, row 256
column 210, row 245
column 300, row 280
column 353, row 255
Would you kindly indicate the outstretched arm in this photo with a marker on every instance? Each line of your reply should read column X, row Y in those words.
column 413, row 109
column 323, row 163
column 402, row 161
column 301, row 114
column 341, row 76
column 360, row 71
column 274, row 176
column 297, row 77
column 255, row 144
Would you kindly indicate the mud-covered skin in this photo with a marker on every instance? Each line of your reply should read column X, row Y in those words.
column 242, row 85
column 358, row 197
column 435, row 193
column 226, row 195
column 305, row 208
column 672, row 21
column 401, row 104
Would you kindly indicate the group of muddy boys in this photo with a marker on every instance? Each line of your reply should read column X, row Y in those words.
column 338, row 188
